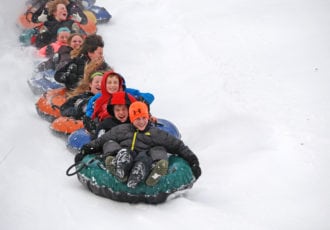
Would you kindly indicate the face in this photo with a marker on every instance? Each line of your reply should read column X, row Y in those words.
column 63, row 37
column 112, row 84
column 95, row 85
column 61, row 12
column 121, row 112
column 140, row 123
column 97, row 54
column 76, row 42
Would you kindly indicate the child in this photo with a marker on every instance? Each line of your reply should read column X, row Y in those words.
column 63, row 34
column 136, row 146
column 75, row 106
column 58, row 17
column 90, row 53
column 62, row 57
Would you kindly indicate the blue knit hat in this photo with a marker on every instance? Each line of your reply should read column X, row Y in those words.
column 63, row 29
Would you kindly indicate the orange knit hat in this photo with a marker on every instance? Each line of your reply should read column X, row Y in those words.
column 138, row 109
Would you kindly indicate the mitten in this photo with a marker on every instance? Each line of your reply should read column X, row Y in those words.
column 89, row 124
column 75, row 28
column 72, row 68
column 196, row 171
column 194, row 165
column 76, row 17
column 43, row 16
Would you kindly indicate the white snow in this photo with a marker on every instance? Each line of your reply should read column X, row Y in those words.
column 246, row 82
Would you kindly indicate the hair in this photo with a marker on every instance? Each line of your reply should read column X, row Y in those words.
column 83, row 85
column 90, row 44
column 52, row 5
column 73, row 35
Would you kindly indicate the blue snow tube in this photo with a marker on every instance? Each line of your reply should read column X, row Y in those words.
column 43, row 81
column 77, row 139
column 101, row 14
column 92, row 173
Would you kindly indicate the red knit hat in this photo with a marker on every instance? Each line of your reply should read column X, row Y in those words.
column 138, row 109
column 119, row 98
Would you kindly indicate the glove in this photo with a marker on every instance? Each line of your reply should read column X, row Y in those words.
column 87, row 149
column 43, row 16
column 72, row 68
column 196, row 170
column 75, row 28
column 194, row 165
column 76, row 17
column 89, row 124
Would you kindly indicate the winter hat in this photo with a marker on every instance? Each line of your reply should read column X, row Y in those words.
column 63, row 29
column 137, row 110
column 96, row 74
column 119, row 98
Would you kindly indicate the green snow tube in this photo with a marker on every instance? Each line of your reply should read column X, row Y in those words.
column 92, row 173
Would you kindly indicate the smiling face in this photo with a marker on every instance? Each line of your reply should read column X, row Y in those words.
column 63, row 37
column 76, row 42
column 96, row 55
column 61, row 13
column 112, row 85
column 121, row 112
column 95, row 85
column 140, row 123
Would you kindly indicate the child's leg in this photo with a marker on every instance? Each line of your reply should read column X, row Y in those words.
column 140, row 170
column 160, row 166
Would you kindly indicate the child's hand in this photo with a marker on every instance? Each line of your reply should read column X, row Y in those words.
column 76, row 17
column 42, row 17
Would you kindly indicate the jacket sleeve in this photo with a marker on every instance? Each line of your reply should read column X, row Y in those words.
column 97, row 144
column 176, row 146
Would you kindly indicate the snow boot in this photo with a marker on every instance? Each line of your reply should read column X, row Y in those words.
column 138, row 174
column 160, row 169
column 110, row 164
column 124, row 162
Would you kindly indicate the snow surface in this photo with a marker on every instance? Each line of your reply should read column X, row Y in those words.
column 246, row 82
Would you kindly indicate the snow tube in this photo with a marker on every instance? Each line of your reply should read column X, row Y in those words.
column 49, row 103
column 77, row 139
column 25, row 21
column 168, row 127
column 90, row 26
column 28, row 36
column 92, row 173
column 101, row 14
column 43, row 81
column 80, row 137
column 66, row 125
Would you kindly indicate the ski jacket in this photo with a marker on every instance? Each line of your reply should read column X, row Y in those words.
column 73, row 71
column 76, row 106
column 58, row 60
column 55, row 46
column 127, row 136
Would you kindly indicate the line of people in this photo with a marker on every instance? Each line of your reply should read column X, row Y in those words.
column 117, row 117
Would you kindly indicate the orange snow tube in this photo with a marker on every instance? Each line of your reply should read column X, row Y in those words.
column 25, row 21
column 48, row 105
column 90, row 26
column 66, row 125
